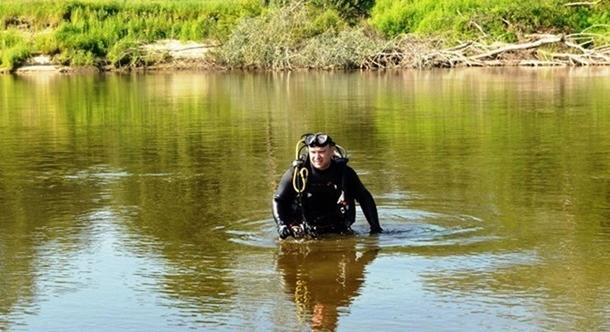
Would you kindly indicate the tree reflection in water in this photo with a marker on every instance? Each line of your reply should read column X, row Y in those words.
column 323, row 277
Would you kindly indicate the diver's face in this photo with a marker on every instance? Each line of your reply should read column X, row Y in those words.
column 320, row 156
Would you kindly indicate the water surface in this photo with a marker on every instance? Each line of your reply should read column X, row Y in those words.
column 142, row 202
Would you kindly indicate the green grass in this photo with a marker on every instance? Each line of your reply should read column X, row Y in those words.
column 495, row 19
column 81, row 31
column 14, row 48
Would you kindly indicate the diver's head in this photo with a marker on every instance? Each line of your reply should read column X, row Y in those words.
column 321, row 149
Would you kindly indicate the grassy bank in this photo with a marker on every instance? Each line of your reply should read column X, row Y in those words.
column 87, row 32
column 286, row 34
column 506, row 20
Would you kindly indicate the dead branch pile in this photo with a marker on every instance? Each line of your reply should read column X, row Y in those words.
column 540, row 50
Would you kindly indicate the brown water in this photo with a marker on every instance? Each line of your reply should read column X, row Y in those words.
column 142, row 203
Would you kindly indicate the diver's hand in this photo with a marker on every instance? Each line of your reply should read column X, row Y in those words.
column 283, row 231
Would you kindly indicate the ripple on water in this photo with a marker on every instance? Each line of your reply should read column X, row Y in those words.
column 98, row 173
column 255, row 233
column 403, row 227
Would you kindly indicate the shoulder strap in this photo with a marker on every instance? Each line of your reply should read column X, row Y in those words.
column 342, row 169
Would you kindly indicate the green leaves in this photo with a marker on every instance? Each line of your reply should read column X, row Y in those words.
column 14, row 49
column 82, row 31
column 349, row 9
column 498, row 20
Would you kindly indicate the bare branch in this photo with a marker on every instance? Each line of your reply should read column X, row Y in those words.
column 577, row 46
column 516, row 47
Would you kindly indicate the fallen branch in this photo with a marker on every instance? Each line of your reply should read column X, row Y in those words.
column 517, row 47
column 577, row 46
column 572, row 58
column 576, row 49
column 602, row 49
column 460, row 46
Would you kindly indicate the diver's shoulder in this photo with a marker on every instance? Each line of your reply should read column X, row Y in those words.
column 342, row 166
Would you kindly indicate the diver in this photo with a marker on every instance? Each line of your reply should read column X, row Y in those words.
column 316, row 195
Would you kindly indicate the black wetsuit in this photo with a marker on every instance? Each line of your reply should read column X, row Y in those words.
column 327, row 202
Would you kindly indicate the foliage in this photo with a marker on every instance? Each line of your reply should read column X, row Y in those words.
column 76, row 57
column 14, row 49
column 347, row 49
column 349, row 9
column 129, row 53
column 86, row 29
column 125, row 53
column 298, row 35
column 500, row 19
column 276, row 34
column 46, row 43
column 265, row 41
column 14, row 56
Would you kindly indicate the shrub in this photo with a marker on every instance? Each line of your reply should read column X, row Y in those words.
column 124, row 52
column 77, row 58
column 46, row 43
column 268, row 41
column 297, row 35
column 14, row 56
column 14, row 49
column 348, row 9
column 347, row 49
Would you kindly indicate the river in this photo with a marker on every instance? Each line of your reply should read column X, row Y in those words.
column 142, row 202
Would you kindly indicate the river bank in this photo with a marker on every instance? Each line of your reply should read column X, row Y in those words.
column 100, row 36
column 175, row 55
column 172, row 55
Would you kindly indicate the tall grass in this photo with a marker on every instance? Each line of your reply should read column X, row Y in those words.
column 14, row 48
column 84, row 30
column 187, row 19
column 495, row 19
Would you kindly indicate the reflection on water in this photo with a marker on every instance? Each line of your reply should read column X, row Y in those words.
column 323, row 277
column 142, row 202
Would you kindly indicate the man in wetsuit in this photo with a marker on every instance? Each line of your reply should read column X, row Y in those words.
column 326, row 205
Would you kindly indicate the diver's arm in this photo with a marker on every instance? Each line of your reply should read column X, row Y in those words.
column 276, row 208
column 282, row 228
column 282, row 199
column 366, row 201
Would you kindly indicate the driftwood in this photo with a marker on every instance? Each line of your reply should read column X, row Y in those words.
column 541, row 50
